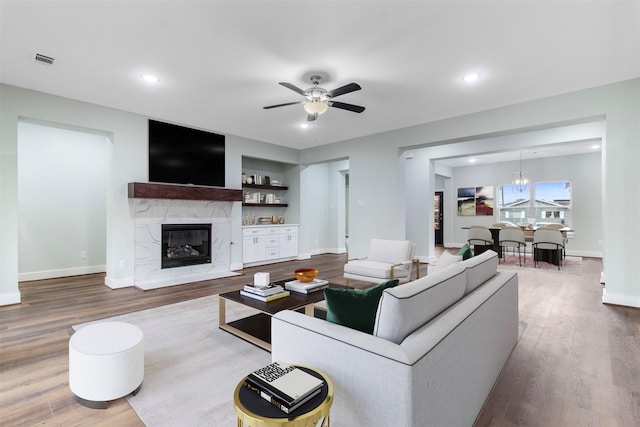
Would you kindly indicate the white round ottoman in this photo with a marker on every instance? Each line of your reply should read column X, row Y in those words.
column 106, row 362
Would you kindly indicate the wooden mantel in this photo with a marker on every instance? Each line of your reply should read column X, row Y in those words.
column 146, row 190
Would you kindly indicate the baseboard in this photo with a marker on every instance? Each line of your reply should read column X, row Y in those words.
column 125, row 282
column 10, row 298
column 64, row 272
column 181, row 280
column 337, row 251
column 618, row 299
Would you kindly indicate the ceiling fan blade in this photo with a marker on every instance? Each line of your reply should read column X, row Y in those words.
column 349, row 107
column 293, row 88
column 351, row 87
column 311, row 117
column 282, row 105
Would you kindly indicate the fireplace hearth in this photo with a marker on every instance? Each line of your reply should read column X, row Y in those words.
column 185, row 244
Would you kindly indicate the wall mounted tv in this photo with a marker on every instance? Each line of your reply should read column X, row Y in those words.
column 180, row 155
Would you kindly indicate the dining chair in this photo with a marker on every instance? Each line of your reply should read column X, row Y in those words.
column 548, row 241
column 480, row 238
column 556, row 226
column 513, row 237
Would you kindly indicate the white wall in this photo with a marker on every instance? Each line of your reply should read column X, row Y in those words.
column 374, row 165
column 129, row 157
column 381, row 197
column 583, row 171
column 62, row 187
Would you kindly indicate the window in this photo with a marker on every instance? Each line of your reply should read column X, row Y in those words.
column 539, row 204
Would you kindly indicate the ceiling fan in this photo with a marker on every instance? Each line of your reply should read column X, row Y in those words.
column 318, row 100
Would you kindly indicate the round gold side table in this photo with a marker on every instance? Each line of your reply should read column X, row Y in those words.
column 254, row 411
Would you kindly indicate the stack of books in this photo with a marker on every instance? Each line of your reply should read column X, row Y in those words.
column 264, row 293
column 306, row 287
column 284, row 386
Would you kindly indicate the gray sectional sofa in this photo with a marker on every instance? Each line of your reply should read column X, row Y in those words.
column 438, row 347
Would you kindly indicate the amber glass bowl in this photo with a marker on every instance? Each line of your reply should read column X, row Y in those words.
column 306, row 274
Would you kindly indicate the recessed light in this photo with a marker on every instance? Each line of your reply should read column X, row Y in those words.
column 304, row 125
column 470, row 78
column 149, row 78
column 595, row 146
column 472, row 160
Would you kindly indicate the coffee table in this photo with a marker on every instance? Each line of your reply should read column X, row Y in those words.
column 256, row 329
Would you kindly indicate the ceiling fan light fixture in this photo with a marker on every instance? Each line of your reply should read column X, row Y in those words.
column 316, row 106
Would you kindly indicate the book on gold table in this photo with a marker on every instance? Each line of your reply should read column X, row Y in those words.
column 266, row 298
column 306, row 287
column 264, row 291
column 285, row 386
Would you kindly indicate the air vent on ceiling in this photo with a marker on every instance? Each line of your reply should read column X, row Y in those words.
column 44, row 59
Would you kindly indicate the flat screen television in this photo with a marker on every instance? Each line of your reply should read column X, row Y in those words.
column 181, row 155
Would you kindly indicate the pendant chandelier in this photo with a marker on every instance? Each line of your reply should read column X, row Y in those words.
column 520, row 179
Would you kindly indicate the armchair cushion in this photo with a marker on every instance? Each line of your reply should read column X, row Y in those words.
column 390, row 251
column 355, row 308
column 378, row 269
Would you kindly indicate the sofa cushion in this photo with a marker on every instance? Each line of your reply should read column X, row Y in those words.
column 379, row 269
column 405, row 308
column 480, row 269
column 446, row 259
column 465, row 251
column 355, row 308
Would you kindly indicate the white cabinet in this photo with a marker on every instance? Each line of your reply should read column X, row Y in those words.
column 288, row 241
column 253, row 244
column 263, row 244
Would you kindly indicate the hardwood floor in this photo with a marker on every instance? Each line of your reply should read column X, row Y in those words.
column 577, row 362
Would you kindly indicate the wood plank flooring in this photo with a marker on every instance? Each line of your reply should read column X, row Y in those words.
column 577, row 363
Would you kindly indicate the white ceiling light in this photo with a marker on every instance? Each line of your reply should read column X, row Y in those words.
column 149, row 78
column 304, row 125
column 316, row 106
column 470, row 78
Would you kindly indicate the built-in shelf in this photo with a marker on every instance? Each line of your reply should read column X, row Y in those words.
column 265, row 187
column 146, row 190
column 266, row 205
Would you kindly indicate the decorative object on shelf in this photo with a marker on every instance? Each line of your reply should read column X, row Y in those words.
column 264, row 220
column 281, row 220
column 244, row 178
column 306, row 274
column 274, row 219
column 249, row 180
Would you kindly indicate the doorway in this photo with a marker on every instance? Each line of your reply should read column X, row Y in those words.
column 437, row 217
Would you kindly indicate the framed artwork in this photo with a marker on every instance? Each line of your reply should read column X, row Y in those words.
column 474, row 201
column 466, row 201
column 484, row 201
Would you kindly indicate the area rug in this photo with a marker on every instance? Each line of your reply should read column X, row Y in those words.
column 191, row 366
column 570, row 264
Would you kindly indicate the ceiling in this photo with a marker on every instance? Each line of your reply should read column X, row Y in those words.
column 219, row 62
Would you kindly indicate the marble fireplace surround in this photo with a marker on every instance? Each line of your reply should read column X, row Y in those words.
column 157, row 204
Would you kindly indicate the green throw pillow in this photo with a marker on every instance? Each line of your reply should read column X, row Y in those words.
column 355, row 308
column 465, row 251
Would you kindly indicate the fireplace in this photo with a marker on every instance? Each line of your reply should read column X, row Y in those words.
column 185, row 244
